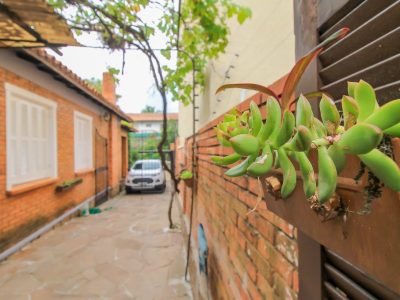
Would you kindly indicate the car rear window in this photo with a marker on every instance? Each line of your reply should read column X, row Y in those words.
column 147, row 165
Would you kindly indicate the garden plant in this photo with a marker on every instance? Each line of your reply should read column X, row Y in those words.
column 288, row 138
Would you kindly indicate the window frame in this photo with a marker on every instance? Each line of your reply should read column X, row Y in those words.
column 11, row 92
column 80, row 115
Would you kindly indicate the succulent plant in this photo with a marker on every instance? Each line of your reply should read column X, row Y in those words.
column 186, row 175
column 284, row 136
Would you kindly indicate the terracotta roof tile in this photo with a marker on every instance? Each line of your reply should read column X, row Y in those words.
column 74, row 79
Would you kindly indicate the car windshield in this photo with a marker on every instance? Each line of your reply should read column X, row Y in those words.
column 147, row 165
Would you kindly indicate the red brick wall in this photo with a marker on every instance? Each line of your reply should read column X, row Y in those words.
column 15, row 211
column 251, row 255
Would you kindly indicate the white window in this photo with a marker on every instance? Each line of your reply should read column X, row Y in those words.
column 83, row 134
column 31, row 136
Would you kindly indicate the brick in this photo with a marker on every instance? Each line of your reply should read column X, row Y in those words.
column 276, row 260
column 263, row 266
column 288, row 247
column 239, row 283
column 239, row 268
column 277, row 221
column 233, row 216
column 240, row 238
column 254, row 187
column 238, row 206
column 251, row 234
column 265, row 287
column 247, row 264
column 266, row 229
column 232, row 188
column 296, row 281
column 254, row 292
column 282, row 290
column 250, row 200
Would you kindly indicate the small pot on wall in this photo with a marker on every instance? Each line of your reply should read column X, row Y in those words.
column 187, row 178
column 189, row 182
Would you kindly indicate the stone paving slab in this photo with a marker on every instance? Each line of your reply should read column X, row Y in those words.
column 123, row 253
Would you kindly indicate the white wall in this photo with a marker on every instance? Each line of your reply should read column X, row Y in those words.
column 262, row 50
column 148, row 126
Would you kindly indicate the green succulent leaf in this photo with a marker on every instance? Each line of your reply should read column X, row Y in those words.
column 365, row 96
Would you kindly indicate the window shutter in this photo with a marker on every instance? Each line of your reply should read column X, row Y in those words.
column 31, row 132
column 83, row 142
column 371, row 51
column 342, row 280
column 13, row 142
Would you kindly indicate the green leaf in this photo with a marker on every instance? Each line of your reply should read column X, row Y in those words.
column 243, row 15
column 166, row 53
column 366, row 99
column 248, row 86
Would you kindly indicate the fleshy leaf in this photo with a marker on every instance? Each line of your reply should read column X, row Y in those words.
column 248, row 86
column 350, row 88
column 366, row 99
column 316, row 94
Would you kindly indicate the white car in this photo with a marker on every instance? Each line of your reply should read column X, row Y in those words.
column 146, row 174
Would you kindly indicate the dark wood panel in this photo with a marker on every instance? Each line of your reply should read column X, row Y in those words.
column 346, row 284
column 332, row 11
column 377, row 75
column 334, row 293
column 310, row 271
column 374, row 28
column 358, row 276
column 378, row 50
column 341, row 11
column 358, row 16
column 388, row 92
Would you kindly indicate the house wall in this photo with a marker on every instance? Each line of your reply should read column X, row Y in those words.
column 252, row 255
column 115, row 160
column 154, row 126
column 259, row 51
column 21, row 214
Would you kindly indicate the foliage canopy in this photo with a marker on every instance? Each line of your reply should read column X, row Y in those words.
column 139, row 24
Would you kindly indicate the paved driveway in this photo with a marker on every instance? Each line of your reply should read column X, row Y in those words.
column 123, row 253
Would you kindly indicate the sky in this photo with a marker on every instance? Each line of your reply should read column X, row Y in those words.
column 136, row 84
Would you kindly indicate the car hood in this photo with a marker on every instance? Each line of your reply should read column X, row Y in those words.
column 144, row 172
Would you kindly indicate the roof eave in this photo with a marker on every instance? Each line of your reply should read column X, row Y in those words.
column 75, row 85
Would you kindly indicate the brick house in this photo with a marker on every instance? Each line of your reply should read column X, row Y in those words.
column 151, row 122
column 54, row 128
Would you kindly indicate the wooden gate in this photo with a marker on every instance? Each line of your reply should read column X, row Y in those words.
column 101, row 169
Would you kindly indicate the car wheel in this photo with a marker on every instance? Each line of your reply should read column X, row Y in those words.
column 162, row 187
column 128, row 190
